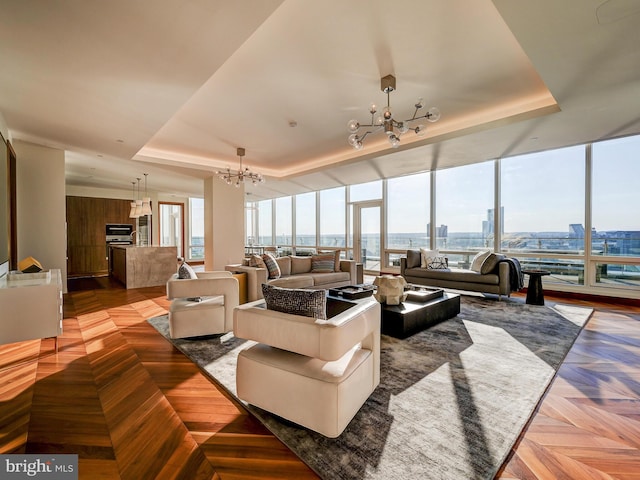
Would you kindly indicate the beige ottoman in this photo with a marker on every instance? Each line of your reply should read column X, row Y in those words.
column 188, row 318
column 320, row 395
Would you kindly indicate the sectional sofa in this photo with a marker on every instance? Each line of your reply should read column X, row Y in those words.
column 298, row 272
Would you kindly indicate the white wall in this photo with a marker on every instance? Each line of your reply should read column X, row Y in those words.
column 41, row 206
column 223, row 224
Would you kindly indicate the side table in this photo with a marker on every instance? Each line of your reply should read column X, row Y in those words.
column 535, row 293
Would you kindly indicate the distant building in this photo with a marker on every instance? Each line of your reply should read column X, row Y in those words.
column 488, row 225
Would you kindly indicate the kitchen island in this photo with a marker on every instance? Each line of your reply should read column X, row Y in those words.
column 137, row 267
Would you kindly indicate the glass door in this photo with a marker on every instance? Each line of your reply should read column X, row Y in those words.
column 172, row 226
column 367, row 235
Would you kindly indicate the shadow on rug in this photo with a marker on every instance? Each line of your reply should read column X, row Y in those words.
column 452, row 399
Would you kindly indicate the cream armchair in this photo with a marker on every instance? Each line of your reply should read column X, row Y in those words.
column 202, row 305
column 316, row 373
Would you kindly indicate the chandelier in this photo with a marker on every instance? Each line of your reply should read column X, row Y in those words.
column 241, row 175
column 385, row 121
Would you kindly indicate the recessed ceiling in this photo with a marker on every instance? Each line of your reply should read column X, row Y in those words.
column 171, row 88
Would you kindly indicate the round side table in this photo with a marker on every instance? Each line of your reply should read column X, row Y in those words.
column 535, row 293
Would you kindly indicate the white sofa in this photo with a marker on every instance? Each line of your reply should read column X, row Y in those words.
column 316, row 373
column 296, row 272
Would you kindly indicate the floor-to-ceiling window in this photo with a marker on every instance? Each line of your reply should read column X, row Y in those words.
column 172, row 225
column 543, row 210
column 332, row 217
column 572, row 211
column 305, row 222
column 196, row 229
column 615, row 235
column 284, row 225
column 265, row 223
column 464, row 210
column 408, row 215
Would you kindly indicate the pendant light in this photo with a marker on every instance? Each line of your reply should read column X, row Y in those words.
column 146, row 201
column 132, row 212
column 138, row 202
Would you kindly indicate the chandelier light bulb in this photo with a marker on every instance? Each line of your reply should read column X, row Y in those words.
column 373, row 108
column 403, row 127
column 353, row 126
column 420, row 130
column 394, row 140
column 420, row 103
column 433, row 115
column 353, row 139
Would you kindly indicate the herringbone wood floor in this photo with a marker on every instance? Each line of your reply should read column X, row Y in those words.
column 133, row 407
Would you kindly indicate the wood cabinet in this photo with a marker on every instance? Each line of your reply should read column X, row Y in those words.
column 87, row 252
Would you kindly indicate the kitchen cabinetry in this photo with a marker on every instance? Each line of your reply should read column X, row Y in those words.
column 86, row 245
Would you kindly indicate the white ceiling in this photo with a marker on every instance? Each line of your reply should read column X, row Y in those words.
column 172, row 87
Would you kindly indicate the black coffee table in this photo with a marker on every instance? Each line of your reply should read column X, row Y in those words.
column 402, row 321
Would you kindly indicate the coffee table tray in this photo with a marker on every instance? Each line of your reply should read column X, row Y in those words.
column 424, row 295
column 352, row 292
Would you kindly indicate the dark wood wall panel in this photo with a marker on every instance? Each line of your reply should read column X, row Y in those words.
column 86, row 219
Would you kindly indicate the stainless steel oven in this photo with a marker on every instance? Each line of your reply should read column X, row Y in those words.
column 117, row 234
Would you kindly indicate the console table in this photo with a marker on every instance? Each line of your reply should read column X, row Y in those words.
column 31, row 306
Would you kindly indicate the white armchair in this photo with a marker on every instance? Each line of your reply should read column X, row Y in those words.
column 202, row 305
column 316, row 373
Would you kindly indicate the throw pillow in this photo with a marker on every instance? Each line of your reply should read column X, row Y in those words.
column 300, row 265
column 424, row 254
column 438, row 263
column 490, row 263
column 337, row 261
column 256, row 261
column 308, row 303
column 323, row 263
column 186, row 272
column 272, row 265
column 476, row 263
column 413, row 258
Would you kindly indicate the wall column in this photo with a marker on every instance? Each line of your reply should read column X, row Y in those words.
column 223, row 224
column 41, row 207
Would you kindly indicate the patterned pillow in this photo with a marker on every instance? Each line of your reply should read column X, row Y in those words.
column 424, row 254
column 186, row 272
column 272, row 265
column 323, row 263
column 256, row 261
column 437, row 263
column 308, row 303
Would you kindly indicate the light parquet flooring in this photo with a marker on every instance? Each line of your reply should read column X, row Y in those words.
column 133, row 407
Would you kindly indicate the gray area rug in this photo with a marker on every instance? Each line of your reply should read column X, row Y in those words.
column 452, row 399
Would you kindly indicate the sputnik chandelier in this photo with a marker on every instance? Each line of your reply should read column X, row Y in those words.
column 385, row 121
column 241, row 175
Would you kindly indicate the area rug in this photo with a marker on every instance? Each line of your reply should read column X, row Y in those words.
column 452, row 399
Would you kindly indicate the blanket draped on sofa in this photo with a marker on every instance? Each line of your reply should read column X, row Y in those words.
column 516, row 277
